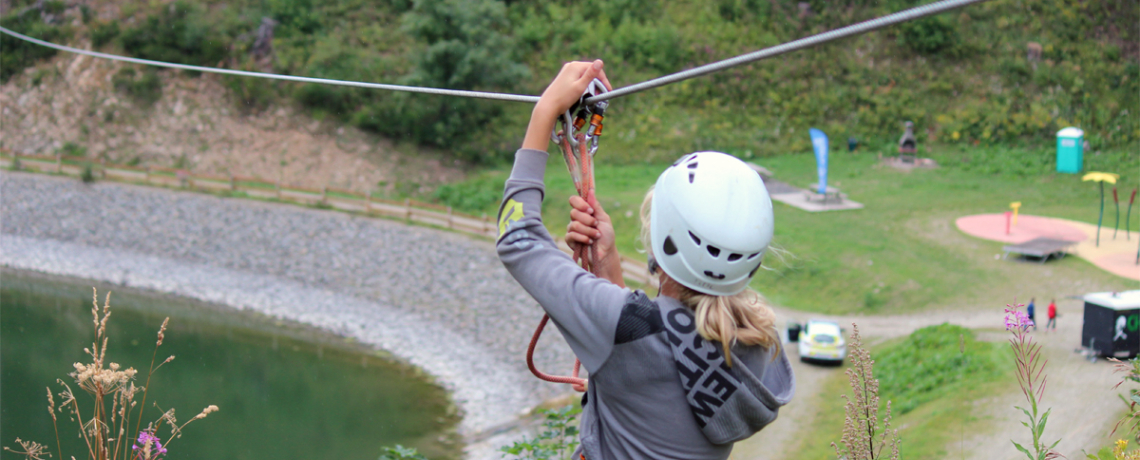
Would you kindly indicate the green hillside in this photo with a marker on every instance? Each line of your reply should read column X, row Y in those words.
column 964, row 77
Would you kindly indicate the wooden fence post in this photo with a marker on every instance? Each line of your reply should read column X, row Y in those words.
column 484, row 227
column 147, row 177
column 450, row 223
column 277, row 187
column 233, row 183
column 16, row 160
column 407, row 209
column 58, row 163
column 325, row 194
column 102, row 168
column 368, row 202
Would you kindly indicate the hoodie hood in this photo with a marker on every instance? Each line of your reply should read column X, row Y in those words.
column 729, row 403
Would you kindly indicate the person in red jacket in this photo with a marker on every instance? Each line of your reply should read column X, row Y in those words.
column 1052, row 312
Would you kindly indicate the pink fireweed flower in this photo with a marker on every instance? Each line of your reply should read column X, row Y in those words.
column 147, row 441
column 1015, row 318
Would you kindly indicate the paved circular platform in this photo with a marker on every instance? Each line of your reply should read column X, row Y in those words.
column 992, row 227
column 1114, row 255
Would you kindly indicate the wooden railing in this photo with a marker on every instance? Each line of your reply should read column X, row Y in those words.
column 344, row 200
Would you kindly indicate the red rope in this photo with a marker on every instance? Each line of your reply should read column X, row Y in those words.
column 582, row 170
column 579, row 384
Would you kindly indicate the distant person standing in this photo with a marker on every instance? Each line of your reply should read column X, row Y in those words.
column 1052, row 324
column 1031, row 310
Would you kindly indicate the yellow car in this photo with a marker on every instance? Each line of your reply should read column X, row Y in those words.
column 822, row 341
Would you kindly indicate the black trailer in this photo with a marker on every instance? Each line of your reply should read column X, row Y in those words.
column 1112, row 324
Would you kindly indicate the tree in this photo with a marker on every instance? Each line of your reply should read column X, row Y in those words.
column 465, row 47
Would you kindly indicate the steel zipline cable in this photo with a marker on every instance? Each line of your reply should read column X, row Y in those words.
column 273, row 76
column 795, row 45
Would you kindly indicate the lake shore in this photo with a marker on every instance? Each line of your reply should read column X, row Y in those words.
column 437, row 300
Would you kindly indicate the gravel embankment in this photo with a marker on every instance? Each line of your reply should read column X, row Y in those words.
column 439, row 300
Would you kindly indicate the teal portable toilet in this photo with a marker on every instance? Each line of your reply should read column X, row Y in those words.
column 1070, row 154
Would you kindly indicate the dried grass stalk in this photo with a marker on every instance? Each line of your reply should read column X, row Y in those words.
column 105, row 429
column 863, row 437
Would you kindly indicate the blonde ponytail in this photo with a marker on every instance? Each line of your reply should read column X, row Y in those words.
column 742, row 318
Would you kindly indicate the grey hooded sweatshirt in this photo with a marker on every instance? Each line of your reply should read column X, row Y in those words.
column 657, row 390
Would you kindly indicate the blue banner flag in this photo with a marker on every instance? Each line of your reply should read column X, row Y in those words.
column 819, row 142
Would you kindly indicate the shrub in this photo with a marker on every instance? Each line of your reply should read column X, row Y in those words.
column 19, row 54
column 401, row 453
column 477, row 56
column 932, row 360
column 86, row 13
column 300, row 17
column 104, row 33
column 737, row 10
column 649, row 45
column 53, row 7
column 38, row 76
column 180, row 33
column 144, row 88
column 1131, row 419
column 71, row 149
column 557, row 440
column 87, row 175
column 930, row 35
column 252, row 95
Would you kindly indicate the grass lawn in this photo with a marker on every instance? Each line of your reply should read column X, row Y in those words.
column 941, row 416
column 901, row 252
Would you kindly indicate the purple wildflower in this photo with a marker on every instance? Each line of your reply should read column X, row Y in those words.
column 1030, row 372
column 146, row 439
column 1016, row 319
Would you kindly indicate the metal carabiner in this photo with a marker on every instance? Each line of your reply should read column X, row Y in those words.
column 556, row 135
column 579, row 115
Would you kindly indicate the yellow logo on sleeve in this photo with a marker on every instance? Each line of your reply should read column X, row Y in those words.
column 512, row 212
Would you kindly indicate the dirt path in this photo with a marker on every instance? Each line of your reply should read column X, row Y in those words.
column 1084, row 407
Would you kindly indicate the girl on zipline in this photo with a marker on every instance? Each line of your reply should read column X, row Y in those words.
column 681, row 376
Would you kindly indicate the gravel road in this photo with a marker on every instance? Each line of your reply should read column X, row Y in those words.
column 440, row 300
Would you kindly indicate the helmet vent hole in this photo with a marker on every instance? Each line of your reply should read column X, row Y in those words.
column 753, row 256
column 669, row 247
column 691, row 176
column 692, row 165
column 695, row 239
column 714, row 251
column 734, row 257
column 714, row 275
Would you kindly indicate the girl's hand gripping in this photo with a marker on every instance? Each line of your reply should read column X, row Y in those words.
column 591, row 229
column 563, row 92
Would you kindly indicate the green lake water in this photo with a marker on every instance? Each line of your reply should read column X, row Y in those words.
column 284, row 391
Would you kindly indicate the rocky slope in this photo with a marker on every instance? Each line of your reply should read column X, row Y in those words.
column 69, row 103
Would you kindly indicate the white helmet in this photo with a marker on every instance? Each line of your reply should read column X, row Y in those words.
column 710, row 222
